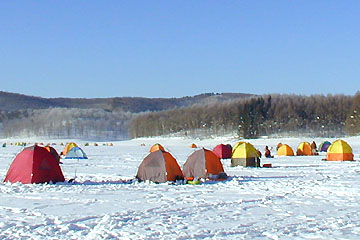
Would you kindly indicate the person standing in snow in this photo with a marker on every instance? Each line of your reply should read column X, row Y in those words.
column 314, row 148
column 267, row 152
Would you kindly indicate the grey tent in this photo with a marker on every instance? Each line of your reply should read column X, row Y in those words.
column 159, row 167
column 201, row 163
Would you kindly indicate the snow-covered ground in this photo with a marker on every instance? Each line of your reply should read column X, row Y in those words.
column 299, row 198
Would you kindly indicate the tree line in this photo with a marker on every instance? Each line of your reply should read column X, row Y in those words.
column 267, row 115
column 66, row 123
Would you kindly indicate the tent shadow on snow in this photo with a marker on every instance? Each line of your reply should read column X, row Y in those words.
column 89, row 182
column 254, row 178
column 210, row 181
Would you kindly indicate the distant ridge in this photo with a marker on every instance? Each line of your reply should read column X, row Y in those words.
column 15, row 101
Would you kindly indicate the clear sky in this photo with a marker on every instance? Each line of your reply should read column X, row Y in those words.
column 179, row 48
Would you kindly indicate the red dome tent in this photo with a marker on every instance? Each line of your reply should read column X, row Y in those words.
column 34, row 165
column 223, row 151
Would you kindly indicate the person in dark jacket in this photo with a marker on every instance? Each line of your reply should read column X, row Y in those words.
column 267, row 152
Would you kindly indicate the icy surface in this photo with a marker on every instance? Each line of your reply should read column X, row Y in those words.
column 299, row 198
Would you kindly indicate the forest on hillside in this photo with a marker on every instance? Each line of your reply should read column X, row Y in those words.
column 96, row 118
column 251, row 117
column 267, row 115
column 96, row 124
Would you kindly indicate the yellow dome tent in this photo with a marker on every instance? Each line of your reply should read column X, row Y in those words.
column 68, row 147
column 235, row 146
column 339, row 151
column 245, row 154
column 285, row 150
column 304, row 149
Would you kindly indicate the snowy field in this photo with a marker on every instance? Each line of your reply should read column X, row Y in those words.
column 299, row 198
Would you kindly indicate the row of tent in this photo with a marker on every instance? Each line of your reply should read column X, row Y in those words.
column 38, row 164
column 339, row 150
column 23, row 144
column 161, row 166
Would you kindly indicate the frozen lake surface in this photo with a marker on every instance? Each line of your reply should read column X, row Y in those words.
column 298, row 198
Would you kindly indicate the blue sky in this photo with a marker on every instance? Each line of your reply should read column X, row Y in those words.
column 179, row 48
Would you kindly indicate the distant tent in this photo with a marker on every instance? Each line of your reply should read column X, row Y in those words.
column 53, row 152
column 202, row 163
column 68, row 147
column 285, row 150
column 34, row 165
column 339, row 151
column 87, row 144
column 245, row 154
column 95, row 144
column 304, row 149
column 324, row 146
column 193, row 145
column 156, row 147
column 4, row 145
column 223, row 151
column 76, row 153
column 159, row 166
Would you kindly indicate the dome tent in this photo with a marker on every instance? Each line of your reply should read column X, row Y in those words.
column 159, row 166
column 324, row 146
column 68, row 147
column 193, row 145
column 34, row 165
column 223, row 151
column 201, row 164
column 285, row 150
column 76, row 153
column 304, row 149
column 156, row 147
column 245, row 154
column 339, row 150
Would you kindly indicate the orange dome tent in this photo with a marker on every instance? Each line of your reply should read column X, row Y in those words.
column 156, row 147
column 159, row 166
column 304, row 149
column 202, row 163
column 193, row 145
column 285, row 150
column 339, row 151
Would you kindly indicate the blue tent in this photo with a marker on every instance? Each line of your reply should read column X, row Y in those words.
column 324, row 146
column 76, row 153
